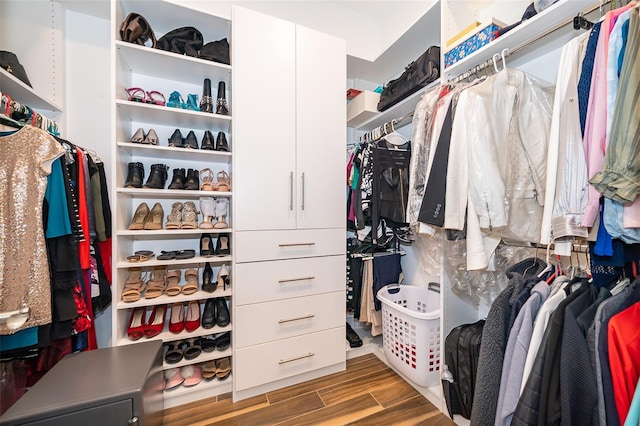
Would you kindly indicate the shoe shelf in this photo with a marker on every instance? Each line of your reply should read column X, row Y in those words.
column 203, row 357
column 163, row 233
column 174, row 262
column 171, row 193
column 180, row 118
column 168, row 300
column 169, row 65
column 167, row 336
column 216, row 386
column 157, row 152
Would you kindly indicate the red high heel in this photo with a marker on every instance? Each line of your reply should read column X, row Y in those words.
column 176, row 323
column 155, row 325
column 137, row 323
column 193, row 316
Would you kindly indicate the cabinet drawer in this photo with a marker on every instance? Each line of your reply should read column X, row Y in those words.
column 260, row 364
column 283, row 279
column 254, row 246
column 265, row 322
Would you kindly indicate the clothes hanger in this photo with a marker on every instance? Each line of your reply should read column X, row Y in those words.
column 395, row 138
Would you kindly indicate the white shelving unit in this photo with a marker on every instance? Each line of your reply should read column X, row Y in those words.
column 165, row 72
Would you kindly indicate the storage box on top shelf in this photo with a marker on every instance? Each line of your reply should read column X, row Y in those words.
column 481, row 36
column 362, row 108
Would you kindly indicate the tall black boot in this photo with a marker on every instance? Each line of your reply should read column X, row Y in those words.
column 221, row 142
column 135, row 175
column 177, row 181
column 221, row 103
column 157, row 177
column 206, row 103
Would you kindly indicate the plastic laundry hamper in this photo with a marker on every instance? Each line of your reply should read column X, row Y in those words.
column 411, row 331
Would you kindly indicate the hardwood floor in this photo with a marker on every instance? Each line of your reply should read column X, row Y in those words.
column 366, row 393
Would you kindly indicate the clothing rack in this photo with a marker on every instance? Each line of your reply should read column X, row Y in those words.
column 369, row 256
column 576, row 247
column 582, row 24
column 24, row 114
column 385, row 129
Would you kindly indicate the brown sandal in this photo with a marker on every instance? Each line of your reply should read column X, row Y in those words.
column 207, row 180
column 209, row 370
column 157, row 283
column 191, row 275
column 134, row 286
column 223, row 181
column 173, row 283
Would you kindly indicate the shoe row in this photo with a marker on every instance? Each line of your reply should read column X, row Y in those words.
column 191, row 375
column 188, row 179
column 144, row 255
column 161, row 281
column 222, row 246
column 190, row 349
column 179, row 141
column 215, row 313
column 182, row 216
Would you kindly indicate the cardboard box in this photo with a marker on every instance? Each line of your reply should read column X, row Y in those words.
column 482, row 36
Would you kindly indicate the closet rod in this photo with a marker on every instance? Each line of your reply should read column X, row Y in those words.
column 509, row 52
column 386, row 128
column 578, row 247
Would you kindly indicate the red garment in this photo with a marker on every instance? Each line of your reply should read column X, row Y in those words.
column 105, row 255
column 83, row 246
column 624, row 356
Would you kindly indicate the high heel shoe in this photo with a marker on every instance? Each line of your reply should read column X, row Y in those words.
column 134, row 286
column 138, row 136
column 206, row 245
column 192, row 321
column 206, row 104
column 221, row 104
column 191, row 286
column 192, row 103
column 223, row 276
column 151, row 138
column 154, row 218
column 137, row 323
column 207, row 279
column 191, row 141
column 155, row 325
column 139, row 217
column 221, row 142
column 176, row 321
column 175, row 100
column 207, row 141
column 223, row 245
column 176, row 140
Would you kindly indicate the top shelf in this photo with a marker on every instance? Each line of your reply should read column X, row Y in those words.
column 24, row 94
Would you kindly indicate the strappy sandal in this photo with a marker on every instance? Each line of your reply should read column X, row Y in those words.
column 174, row 353
column 206, row 175
column 140, row 256
column 174, row 220
column 150, row 138
column 153, row 97
column 223, row 181
column 134, row 286
column 209, row 370
column 191, row 275
column 156, row 284
column 189, row 216
column 175, row 100
column 138, row 136
column 173, row 283
column 136, row 94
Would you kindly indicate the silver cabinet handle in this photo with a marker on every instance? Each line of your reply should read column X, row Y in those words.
column 302, row 191
column 295, row 244
column 296, row 279
column 282, row 321
column 291, row 191
column 284, row 361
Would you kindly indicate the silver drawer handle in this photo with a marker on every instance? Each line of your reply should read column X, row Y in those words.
column 284, row 361
column 296, row 244
column 296, row 279
column 282, row 321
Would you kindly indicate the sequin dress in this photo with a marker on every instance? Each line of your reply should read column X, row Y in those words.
column 25, row 162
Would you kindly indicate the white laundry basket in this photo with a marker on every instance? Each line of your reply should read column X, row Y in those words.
column 411, row 331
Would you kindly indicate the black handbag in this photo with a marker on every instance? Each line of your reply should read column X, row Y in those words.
column 184, row 41
column 9, row 62
column 217, row 51
column 135, row 29
column 417, row 74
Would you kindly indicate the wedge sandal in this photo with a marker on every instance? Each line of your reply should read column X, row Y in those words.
column 173, row 283
column 191, row 276
column 134, row 286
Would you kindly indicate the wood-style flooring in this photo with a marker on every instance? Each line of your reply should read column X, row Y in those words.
column 366, row 393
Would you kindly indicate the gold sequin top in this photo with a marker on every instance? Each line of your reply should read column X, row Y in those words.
column 25, row 162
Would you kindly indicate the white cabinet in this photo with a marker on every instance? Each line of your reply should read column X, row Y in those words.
column 290, row 114
column 289, row 124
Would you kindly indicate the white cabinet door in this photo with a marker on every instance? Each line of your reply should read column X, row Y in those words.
column 320, row 129
column 264, row 102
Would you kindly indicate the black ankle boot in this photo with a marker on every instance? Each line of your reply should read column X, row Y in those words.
column 221, row 142
column 135, row 175
column 221, row 103
column 206, row 103
column 191, row 141
column 207, row 141
column 177, row 181
column 157, row 177
column 193, row 180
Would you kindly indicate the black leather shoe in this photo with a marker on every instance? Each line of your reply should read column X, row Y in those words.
column 208, row 284
column 209, row 314
column 157, row 177
column 221, row 103
column 193, row 180
column 223, row 245
column 206, row 103
column 221, row 142
column 207, row 141
column 223, row 317
column 191, row 141
column 176, row 139
column 206, row 245
column 177, row 181
column 135, row 175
